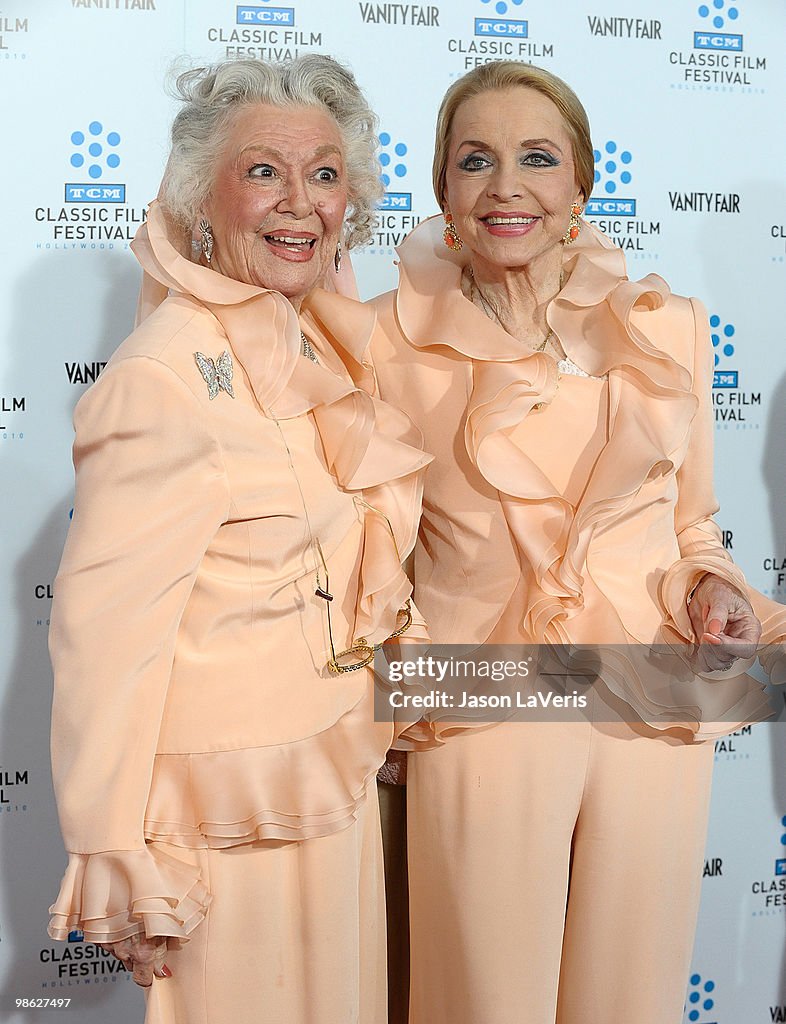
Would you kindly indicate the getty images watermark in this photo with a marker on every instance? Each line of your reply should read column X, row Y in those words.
column 460, row 670
column 666, row 686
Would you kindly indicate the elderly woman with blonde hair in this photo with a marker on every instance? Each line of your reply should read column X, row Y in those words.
column 555, row 866
column 243, row 504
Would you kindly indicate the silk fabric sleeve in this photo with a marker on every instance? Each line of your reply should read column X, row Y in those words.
column 699, row 537
column 151, row 492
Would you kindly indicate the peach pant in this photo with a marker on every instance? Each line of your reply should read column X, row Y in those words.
column 555, row 871
column 295, row 934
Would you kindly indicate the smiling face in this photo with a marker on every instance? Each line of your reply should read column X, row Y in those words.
column 278, row 198
column 510, row 178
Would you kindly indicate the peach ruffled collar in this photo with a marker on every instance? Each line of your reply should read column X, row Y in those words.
column 370, row 448
column 607, row 325
column 432, row 310
column 262, row 326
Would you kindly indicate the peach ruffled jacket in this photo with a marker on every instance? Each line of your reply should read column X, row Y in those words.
column 192, row 701
column 505, row 554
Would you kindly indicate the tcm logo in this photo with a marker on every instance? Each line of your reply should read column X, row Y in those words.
column 95, row 193
column 723, row 348
column 612, row 170
column 393, row 166
column 76, row 936
column 501, row 26
column 780, row 863
column 265, row 15
column 720, row 16
column 95, row 151
column 700, row 1001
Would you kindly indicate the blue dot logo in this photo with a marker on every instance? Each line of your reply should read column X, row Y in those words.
column 700, row 997
column 95, row 150
column 783, row 825
column 719, row 12
column 721, row 335
column 392, row 158
column 502, row 7
column 612, row 167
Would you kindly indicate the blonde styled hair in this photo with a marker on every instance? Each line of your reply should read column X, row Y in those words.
column 510, row 74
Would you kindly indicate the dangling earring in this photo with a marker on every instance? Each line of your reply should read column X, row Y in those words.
column 337, row 257
column 207, row 240
column 574, row 224
column 450, row 236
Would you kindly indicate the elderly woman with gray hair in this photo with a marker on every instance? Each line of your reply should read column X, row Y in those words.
column 243, row 504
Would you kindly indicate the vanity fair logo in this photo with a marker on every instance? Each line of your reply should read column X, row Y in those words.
column 94, row 213
column 263, row 31
column 415, row 15
column 612, row 209
column 770, row 891
column 13, row 789
column 700, row 1002
column 733, row 406
column 115, row 5
column 395, row 218
column 83, row 373
column 500, row 30
column 624, row 28
column 705, row 202
column 13, row 36
column 719, row 58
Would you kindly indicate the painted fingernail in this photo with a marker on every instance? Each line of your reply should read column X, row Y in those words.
column 166, row 972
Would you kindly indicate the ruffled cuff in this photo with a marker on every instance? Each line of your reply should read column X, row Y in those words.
column 680, row 581
column 112, row 895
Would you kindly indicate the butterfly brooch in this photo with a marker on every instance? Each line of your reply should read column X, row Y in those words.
column 217, row 374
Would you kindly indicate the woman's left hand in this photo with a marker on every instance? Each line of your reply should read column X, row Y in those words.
column 724, row 623
column 142, row 956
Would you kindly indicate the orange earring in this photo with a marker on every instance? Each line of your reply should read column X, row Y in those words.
column 574, row 224
column 450, row 236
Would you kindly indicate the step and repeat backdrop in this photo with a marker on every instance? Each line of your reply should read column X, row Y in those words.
column 686, row 104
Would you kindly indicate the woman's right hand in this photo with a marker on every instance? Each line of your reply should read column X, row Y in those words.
column 144, row 957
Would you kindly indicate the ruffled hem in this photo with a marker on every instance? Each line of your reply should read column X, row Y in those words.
column 701, row 708
column 109, row 896
column 288, row 792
